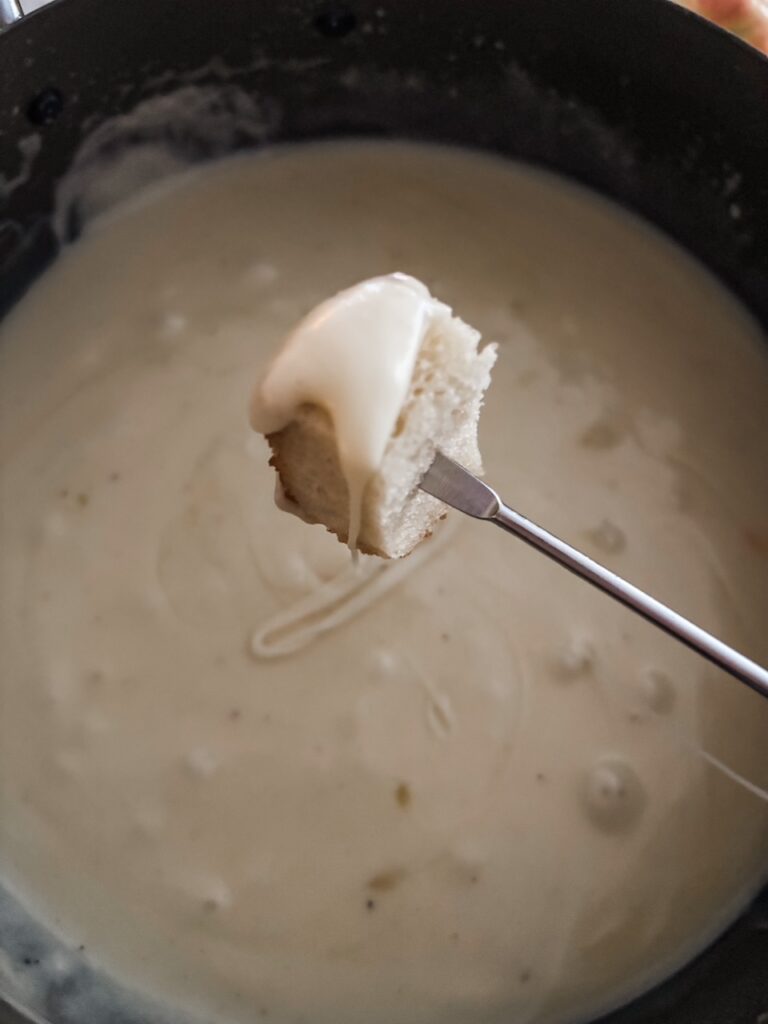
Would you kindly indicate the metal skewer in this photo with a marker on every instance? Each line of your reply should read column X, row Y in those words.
column 457, row 487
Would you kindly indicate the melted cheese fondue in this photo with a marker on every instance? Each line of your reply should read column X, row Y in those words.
column 485, row 795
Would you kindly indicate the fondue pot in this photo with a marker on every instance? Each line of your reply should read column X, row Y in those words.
column 637, row 99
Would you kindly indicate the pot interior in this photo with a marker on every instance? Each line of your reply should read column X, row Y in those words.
column 630, row 100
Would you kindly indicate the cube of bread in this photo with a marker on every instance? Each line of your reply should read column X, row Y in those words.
column 441, row 411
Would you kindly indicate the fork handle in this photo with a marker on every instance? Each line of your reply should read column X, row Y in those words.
column 659, row 614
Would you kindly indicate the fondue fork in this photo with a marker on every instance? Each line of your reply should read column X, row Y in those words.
column 457, row 487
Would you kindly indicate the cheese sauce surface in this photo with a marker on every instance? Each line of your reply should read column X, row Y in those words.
column 488, row 794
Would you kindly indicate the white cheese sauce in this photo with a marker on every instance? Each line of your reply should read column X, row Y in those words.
column 479, row 797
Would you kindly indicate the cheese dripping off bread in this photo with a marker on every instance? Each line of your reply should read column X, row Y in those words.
column 355, row 404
